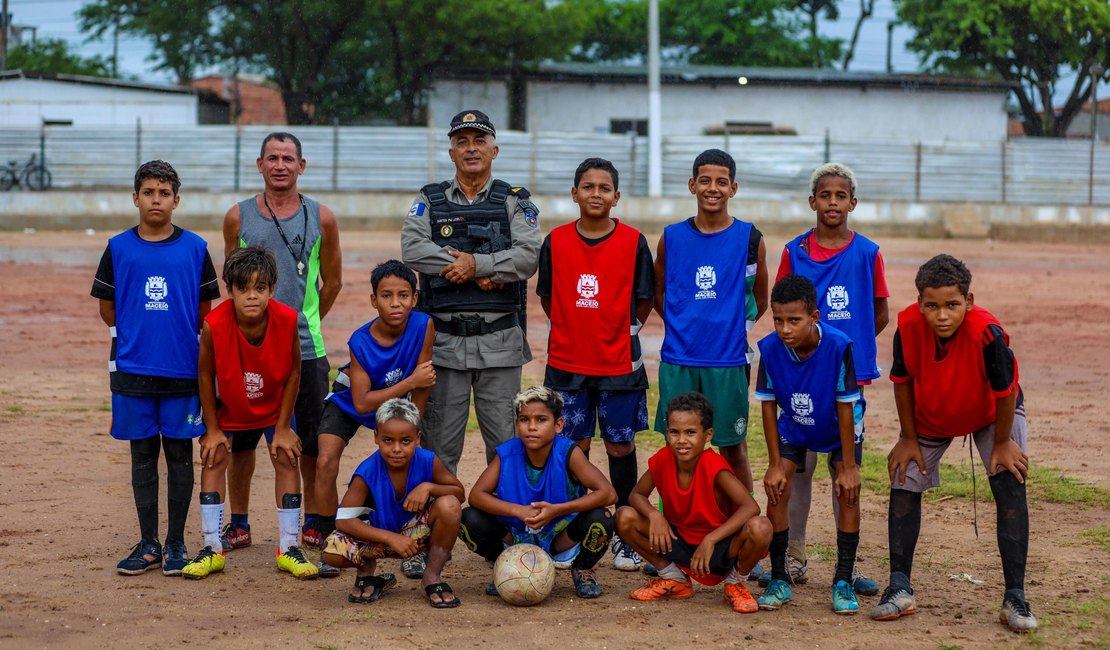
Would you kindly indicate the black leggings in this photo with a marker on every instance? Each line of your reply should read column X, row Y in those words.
column 179, row 484
column 484, row 534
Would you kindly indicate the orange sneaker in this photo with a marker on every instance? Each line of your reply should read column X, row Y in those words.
column 660, row 588
column 740, row 598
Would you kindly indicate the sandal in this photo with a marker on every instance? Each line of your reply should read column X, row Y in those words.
column 378, row 585
column 441, row 588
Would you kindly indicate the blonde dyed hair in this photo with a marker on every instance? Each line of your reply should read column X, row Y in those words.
column 548, row 397
column 832, row 169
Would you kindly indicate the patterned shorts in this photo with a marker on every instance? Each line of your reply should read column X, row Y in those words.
column 358, row 551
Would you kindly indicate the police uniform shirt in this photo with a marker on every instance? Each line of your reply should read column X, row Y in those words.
column 516, row 264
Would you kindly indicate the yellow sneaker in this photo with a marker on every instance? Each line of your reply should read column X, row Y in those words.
column 293, row 561
column 206, row 562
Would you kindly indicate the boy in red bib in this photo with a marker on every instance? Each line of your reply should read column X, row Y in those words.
column 249, row 375
column 710, row 528
column 596, row 276
column 955, row 375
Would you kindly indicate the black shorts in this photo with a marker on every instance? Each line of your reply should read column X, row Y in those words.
column 336, row 422
column 797, row 454
column 682, row 553
column 307, row 410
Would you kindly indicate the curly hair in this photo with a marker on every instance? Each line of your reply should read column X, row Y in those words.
column 794, row 288
column 716, row 157
column 693, row 402
column 943, row 271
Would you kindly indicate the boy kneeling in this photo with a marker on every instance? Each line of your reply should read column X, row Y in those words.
column 401, row 501
column 711, row 528
column 541, row 489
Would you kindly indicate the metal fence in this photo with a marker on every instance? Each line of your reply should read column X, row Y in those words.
column 1024, row 171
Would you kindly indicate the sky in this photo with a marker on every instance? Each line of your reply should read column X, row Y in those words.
column 58, row 19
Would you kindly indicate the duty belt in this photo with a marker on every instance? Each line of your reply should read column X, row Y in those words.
column 475, row 325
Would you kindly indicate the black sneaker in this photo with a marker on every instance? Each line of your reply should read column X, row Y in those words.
column 145, row 555
column 175, row 557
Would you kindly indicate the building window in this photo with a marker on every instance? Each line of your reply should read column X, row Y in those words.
column 624, row 126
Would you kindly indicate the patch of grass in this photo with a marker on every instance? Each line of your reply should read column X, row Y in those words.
column 1097, row 537
column 15, row 408
column 948, row 646
column 1089, row 626
column 323, row 645
column 106, row 408
column 820, row 552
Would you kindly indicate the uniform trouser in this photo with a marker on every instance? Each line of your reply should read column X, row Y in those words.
column 449, row 409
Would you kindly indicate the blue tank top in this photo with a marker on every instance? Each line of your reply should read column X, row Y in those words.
column 389, row 512
column 157, row 288
column 706, row 296
column 520, row 484
column 806, row 390
column 386, row 365
column 845, row 287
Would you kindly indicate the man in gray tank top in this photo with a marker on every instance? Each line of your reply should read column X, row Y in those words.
column 304, row 237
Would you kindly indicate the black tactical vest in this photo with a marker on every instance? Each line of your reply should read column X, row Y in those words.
column 481, row 228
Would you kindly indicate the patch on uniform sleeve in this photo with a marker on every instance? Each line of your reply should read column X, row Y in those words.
column 417, row 209
column 531, row 213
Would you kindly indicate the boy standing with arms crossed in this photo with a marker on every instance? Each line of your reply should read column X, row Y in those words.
column 848, row 273
column 806, row 370
column 955, row 375
column 596, row 276
column 155, row 283
column 710, row 288
column 250, row 357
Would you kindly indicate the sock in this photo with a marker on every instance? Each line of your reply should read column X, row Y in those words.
column 326, row 525
column 846, row 544
column 179, row 485
column 779, row 541
column 310, row 519
column 903, row 528
column 1013, row 528
column 241, row 521
column 211, row 520
column 144, row 485
column 734, row 577
column 622, row 472
column 672, row 572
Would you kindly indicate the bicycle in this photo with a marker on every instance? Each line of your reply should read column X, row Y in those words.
column 34, row 175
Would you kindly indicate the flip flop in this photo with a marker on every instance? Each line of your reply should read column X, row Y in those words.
column 378, row 584
column 441, row 588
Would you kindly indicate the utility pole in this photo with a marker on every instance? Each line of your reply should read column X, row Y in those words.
column 655, row 105
column 115, row 47
column 4, row 37
column 1096, row 76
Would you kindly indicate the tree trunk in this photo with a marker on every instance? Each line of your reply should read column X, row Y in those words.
column 296, row 107
column 518, row 99
column 866, row 7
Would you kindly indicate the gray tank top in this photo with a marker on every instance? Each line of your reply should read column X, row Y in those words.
column 301, row 291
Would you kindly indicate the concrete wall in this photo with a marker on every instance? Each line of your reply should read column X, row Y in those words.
column 114, row 210
column 921, row 115
column 25, row 102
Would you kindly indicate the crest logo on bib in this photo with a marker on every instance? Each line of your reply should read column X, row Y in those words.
column 837, row 300
column 706, row 279
column 587, row 289
column 156, row 290
column 394, row 376
column 802, row 405
column 253, row 382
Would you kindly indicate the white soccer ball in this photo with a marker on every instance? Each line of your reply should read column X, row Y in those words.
column 524, row 575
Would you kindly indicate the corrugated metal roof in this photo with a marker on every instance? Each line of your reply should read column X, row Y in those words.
column 11, row 75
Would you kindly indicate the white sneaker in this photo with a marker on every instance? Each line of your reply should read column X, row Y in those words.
column 626, row 559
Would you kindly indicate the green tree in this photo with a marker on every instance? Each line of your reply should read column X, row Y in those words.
column 55, row 55
column 1037, row 45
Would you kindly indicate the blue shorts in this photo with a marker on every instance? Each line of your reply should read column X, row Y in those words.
column 139, row 418
column 621, row 413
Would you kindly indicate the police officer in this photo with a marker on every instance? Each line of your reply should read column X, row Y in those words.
column 475, row 241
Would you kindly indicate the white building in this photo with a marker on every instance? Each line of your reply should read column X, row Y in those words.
column 28, row 98
column 607, row 98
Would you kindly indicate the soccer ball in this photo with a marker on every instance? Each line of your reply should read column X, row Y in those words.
column 524, row 575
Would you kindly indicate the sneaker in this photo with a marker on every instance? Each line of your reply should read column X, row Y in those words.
column 175, row 557
column 741, row 600
column 312, row 536
column 205, row 563
column 798, row 570
column 844, row 598
column 293, row 561
column 895, row 603
column 864, row 585
column 328, row 571
column 777, row 594
column 145, row 555
column 625, row 558
column 649, row 569
column 585, row 583
column 1017, row 615
column 235, row 537
column 660, row 588
column 413, row 567
column 760, row 575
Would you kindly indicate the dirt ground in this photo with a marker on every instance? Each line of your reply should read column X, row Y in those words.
column 68, row 516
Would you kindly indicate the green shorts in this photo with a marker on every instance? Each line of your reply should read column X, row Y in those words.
column 726, row 388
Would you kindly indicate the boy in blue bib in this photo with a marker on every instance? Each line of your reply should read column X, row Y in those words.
column 541, row 489
column 401, row 501
column 807, row 384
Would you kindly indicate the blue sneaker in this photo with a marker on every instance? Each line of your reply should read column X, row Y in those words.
column 175, row 557
column 864, row 585
column 585, row 583
column 844, row 598
column 777, row 594
column 145, row 555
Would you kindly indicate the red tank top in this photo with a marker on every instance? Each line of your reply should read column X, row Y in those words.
column 250, row 380
column 591, row 302
column 952, row 397
column 693, row 511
